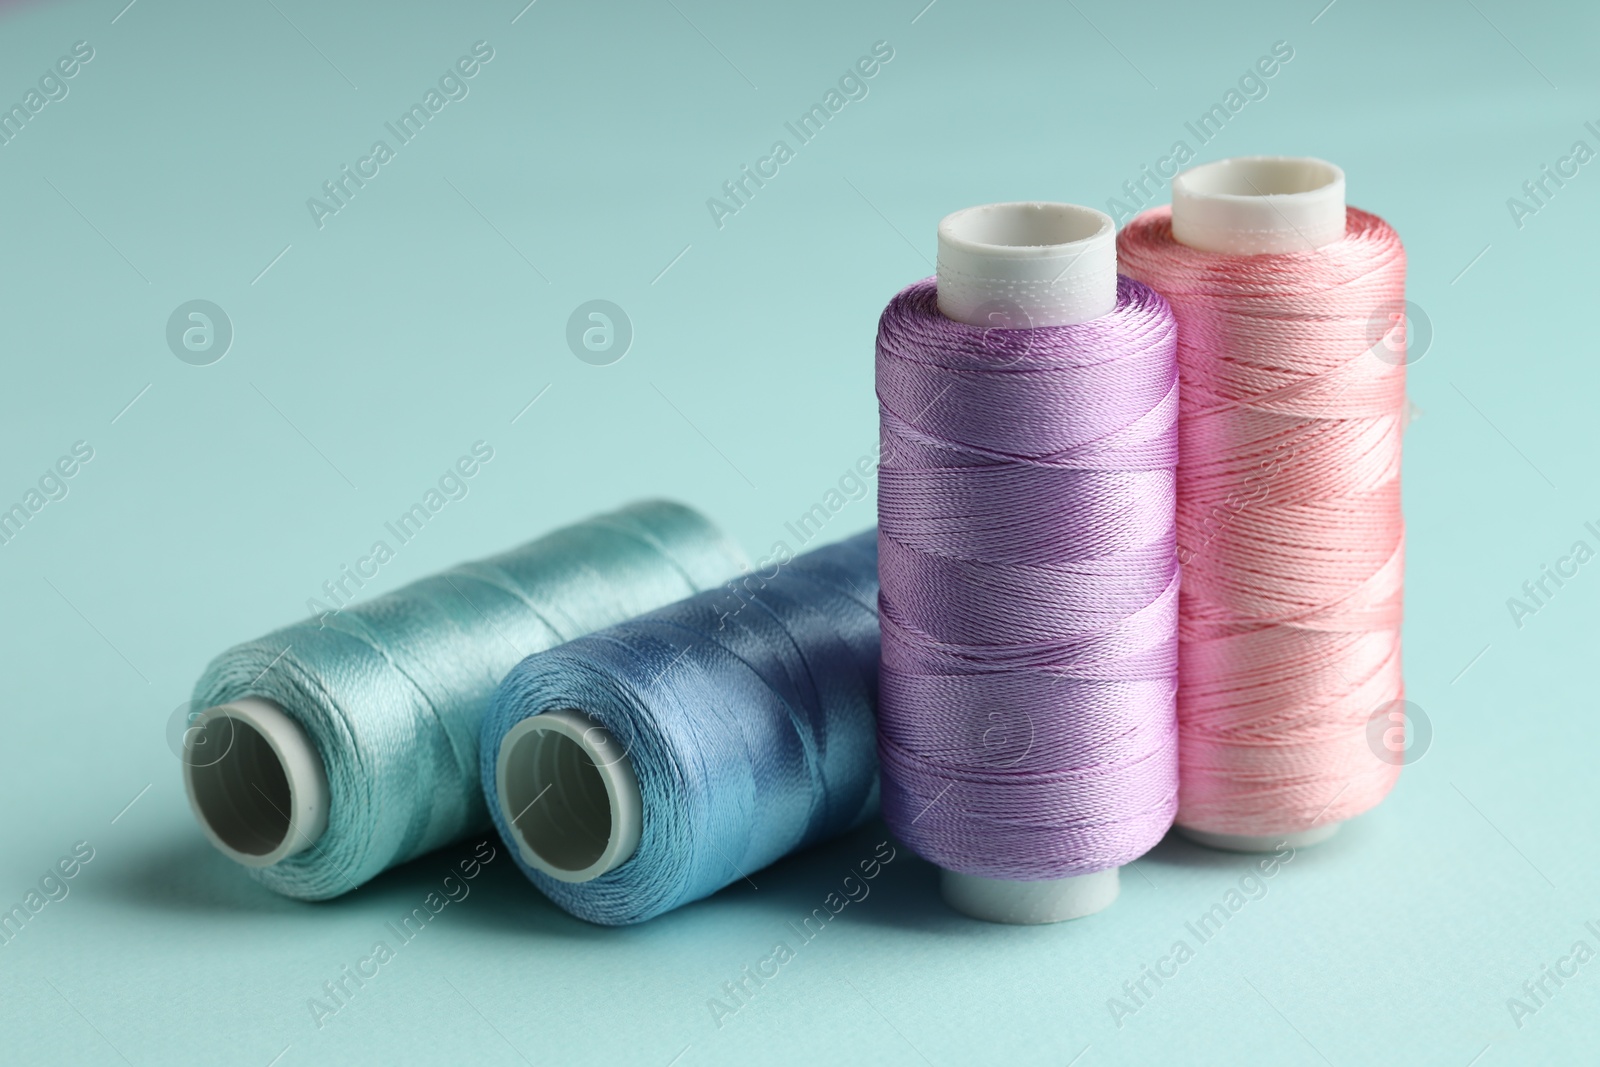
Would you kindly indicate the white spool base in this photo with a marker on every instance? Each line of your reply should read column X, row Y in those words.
column 569, row 795
column 1253, row 205
column 1261, row 842
column 255, row 782
column 1029, row 903
column 1022, row 265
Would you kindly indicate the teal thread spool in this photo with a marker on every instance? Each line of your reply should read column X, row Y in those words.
column 330, row 753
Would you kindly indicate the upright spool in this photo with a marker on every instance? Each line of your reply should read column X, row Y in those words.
column 1019, row 266
column 1266, row 232
column 1255, row 206
column 335, row 748
column 1011, row 268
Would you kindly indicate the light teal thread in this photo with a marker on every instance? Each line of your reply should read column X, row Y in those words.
column 392, row 691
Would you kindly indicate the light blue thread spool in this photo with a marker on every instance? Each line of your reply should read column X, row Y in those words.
column 378, row 711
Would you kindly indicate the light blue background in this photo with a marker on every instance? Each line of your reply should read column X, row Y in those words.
column 415, row 323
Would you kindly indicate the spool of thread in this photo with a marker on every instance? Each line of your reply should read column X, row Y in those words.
column 1289, row 524
column 1025, row 502
column 655, row 762
column 336, row 748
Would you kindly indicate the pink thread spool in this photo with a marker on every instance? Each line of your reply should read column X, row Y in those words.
column 1289, row 632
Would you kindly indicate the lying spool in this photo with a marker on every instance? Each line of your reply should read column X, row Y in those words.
column 330, row 751
column 652, row 763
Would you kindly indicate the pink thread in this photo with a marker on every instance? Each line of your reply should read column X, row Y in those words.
column 1289, row 524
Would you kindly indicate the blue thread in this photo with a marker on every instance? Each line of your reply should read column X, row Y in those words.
column 751, row 731
column 392, row 691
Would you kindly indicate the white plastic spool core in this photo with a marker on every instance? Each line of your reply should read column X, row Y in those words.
column 1261, row 842
column 255, row 782
column 1020, row 266
column 1022, row 903
column 569, row 793
column 1247, row 206
column 1252, row 205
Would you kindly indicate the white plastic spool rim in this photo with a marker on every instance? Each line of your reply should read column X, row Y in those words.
column 1253, row 205
column 255, row 782
column 1027, row 264
column 569, row 795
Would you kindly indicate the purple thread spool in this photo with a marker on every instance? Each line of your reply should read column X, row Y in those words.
column 1026, row 498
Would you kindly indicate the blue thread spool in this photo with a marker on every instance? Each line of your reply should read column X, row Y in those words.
column 655, row 762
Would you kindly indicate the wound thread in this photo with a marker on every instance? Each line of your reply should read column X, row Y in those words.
column 749, row 732
column 1289, row 523
column 391, row 692
column 1029, row 586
